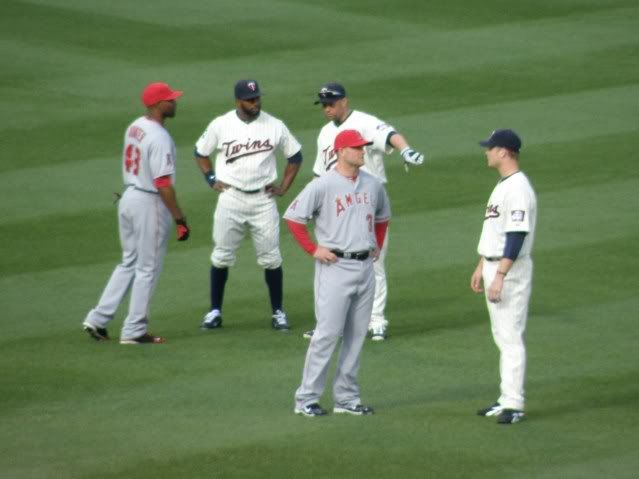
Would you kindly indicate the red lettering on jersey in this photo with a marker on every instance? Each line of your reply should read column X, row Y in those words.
column 340, row 206
column 358, row 198
column 137, row 133
column 293, row 206
column 366, row 198
column 349, row 200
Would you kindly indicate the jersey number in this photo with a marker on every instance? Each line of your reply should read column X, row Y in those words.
column 132, row 159
column 369, row 217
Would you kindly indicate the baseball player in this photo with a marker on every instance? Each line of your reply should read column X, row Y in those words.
column 505, row 267
column 384, row 138
column 351, row 213
column 144, row 217
column 244, row 141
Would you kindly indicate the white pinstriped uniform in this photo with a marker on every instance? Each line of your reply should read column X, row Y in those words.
column 245, row 160
column 375, row 130
column 144, row 225
column 512, row 207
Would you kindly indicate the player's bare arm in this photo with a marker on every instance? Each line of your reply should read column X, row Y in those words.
column 204, row 163
column 476, row 278
column 289, row 175
column 169, row 198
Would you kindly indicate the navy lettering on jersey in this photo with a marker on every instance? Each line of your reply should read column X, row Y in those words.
column 234, row 150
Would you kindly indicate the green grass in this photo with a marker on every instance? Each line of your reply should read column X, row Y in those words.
column 563, row 73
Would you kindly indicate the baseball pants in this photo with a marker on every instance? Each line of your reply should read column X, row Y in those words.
column 234, row 214
column 144, row 224
column 343, row 302
column 508, row 322
column 379, row 303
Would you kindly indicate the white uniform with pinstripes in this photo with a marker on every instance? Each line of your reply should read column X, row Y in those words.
column 512, row 207
column 144, row 225
column 245, row 160
column 375, row 130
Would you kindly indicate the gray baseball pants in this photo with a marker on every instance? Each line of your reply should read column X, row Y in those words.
column 344, row 293
column 144, row 224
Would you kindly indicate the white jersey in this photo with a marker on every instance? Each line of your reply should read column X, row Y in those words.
column 512, row 207
column 246, row 151
column 371, row 128
column 149, row 153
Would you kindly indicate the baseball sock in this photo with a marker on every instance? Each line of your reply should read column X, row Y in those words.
column 218, row 281
column 274, row 281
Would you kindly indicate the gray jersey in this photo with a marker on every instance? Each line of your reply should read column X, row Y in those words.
column 345, row 210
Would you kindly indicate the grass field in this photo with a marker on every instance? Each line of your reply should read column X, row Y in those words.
column 564, row 73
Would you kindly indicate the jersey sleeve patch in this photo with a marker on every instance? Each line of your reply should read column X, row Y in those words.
column 517, row 216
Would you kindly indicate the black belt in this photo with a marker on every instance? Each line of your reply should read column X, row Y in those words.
column 358, row 255
column 142, row 189
column 248, row 192
column 492, row 258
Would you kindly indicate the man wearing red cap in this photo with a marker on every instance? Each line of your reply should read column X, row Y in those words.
column 145, row 211
column 351, row 211
column 384, row 139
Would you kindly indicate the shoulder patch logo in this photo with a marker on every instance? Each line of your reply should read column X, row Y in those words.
column 517, row 215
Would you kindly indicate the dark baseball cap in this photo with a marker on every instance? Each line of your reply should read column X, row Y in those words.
column 503, row 138
column 247, row 90
column 330, row 93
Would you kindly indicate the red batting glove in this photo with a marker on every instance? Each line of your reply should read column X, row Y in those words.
column 182, row 229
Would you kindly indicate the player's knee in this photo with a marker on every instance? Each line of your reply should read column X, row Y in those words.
column 270, row 260
column 221, row 258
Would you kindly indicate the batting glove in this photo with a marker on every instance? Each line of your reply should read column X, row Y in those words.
column 182, row 229
column 411, row 156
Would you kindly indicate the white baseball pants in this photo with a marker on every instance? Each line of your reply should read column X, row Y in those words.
column 508, row 322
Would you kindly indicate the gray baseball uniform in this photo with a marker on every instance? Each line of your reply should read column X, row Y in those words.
column 345, row 211
column 144, row 224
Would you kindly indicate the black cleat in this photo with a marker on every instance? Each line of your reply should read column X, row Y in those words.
column 99, row 334
column 212, row 320
column 358, row 410
column 146, row 338
column 312, row 410
column 510, row 416
column 492, row 410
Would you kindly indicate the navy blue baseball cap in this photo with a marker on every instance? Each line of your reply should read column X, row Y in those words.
column 503, row 138
column 247, row 90
column 330, row 93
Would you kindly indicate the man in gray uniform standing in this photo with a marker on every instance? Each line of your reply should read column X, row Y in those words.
column 351, row 213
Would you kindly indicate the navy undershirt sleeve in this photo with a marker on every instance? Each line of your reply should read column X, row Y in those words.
column 514, row 242
column 389, row 137
column 296, row 158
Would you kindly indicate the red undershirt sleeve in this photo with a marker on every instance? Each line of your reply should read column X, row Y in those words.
column 380, row 233
column 302, row 236
column 162, row 181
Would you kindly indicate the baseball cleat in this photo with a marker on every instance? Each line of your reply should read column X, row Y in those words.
column 492, row 410
column 312, row 410
column 378, row 333
column 279, row 321
column 146, row 338
column 510, row 416
column 358, row 410
column 308, row 334
column 212, row 320
column 99, row 334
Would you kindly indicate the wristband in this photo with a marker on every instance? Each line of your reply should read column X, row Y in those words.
column 210, row 178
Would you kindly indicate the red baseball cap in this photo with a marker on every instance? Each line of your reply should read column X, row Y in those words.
column 349, row 138
column 156, row 92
